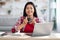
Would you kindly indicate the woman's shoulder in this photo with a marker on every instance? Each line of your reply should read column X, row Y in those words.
column 40, row 19
column 37, row 19
column 21, row 17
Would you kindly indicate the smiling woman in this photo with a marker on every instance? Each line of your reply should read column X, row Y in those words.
column 26, row 23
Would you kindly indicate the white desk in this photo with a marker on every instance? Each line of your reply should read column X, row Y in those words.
column 52, row 36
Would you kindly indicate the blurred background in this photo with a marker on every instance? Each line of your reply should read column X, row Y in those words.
column 11, row 10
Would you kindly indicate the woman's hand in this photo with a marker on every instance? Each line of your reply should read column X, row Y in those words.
column 33, row 21
column 25, row 21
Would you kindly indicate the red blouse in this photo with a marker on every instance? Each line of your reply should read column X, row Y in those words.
column 27, row 29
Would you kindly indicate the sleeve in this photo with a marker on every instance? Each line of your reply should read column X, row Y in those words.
column 20, row 20
column 37, row 20
column 40, row 20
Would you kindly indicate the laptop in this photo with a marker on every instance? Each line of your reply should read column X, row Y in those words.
column 42, row 29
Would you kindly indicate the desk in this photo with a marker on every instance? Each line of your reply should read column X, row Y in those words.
column 55, row 36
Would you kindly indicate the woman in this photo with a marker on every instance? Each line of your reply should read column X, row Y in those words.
column 26, row 23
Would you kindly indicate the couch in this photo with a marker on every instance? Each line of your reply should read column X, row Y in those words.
column 7, row 22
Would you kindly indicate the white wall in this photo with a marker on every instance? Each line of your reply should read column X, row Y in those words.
column 17, row 8
column 58, row 15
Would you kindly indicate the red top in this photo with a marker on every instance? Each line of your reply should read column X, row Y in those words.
column 27, row 29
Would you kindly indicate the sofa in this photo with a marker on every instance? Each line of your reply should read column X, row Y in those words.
column 7, row 22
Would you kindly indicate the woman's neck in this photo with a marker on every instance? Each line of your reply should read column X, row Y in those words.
column 31, row 16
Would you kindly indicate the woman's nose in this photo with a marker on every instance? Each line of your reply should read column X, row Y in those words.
column 29, row 9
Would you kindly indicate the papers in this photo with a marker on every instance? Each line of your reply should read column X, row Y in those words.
column 18, row 34
column 2, row 33
column 57, row 35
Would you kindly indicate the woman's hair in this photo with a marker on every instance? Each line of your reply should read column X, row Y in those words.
column 24, row 12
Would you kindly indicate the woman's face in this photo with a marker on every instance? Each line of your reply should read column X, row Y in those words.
column 29, row 10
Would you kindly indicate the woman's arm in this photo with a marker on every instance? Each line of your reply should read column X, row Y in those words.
column 41, row 20
column 18, row 23
column 25, row 21
column 21, row 26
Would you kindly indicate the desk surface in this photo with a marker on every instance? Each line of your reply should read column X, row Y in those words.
column 51, row 36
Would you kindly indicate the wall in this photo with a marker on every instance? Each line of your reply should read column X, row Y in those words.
column 58, row 16
column 16, row 8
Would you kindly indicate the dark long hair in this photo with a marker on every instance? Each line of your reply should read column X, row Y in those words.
column 24, row 12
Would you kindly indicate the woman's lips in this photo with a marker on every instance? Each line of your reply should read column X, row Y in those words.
column 29, row 12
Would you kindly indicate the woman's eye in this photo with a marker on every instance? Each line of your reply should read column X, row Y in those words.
column 31, row 8
column 27, row 8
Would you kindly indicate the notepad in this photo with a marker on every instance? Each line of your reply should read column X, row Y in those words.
column 2, row 33
column 18, row 34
